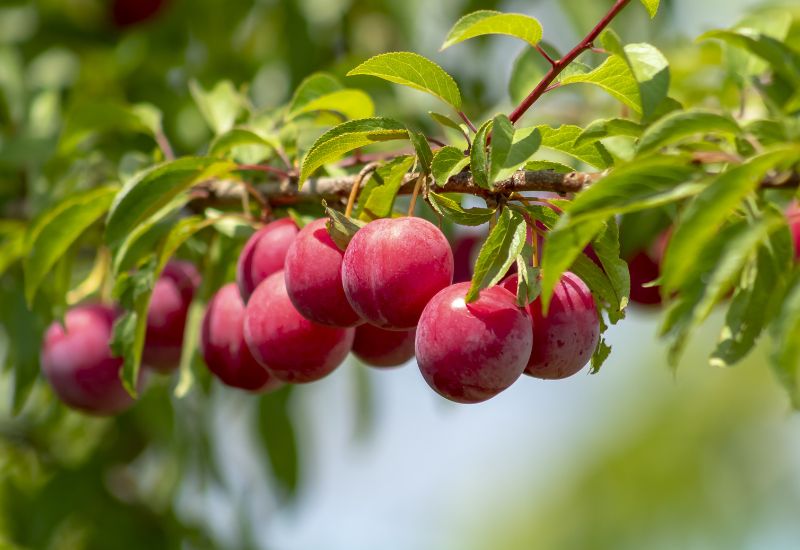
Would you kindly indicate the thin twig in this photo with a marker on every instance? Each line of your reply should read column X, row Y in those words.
column 467, row 121
column 561, row 64
column 545, row 54
column 351, row 201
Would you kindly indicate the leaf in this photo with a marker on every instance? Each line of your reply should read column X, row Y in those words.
column 346, row 137
column 350, row 103
column 55, row 231
column 785, row 356
column 86, row 119
column 220, row 107
column 446, row 121
column 502, row 246
column 563, row 138
column 528, row 285
column 703, row 217
column 447, row 162
column 134, row 292
column 606, row 246
column 478, row 159
column 782, row 59
column 652, row 6
column 415, row 71
column 423, row 150
column 757, row 299
column 484, row 22
column 24, row 332
column 340, row 227
column 323, row 92
column 388, row 179
column 12, row 248
column 453, row 211
column 651, row 70
column 536, row 165
column 237, row 137
column 150, row 191
column 191, row 341
column 609, row 127
column 511, row 148
column 312, row 88
column 280, row 439
column 599, row 283
column 682, row 124
column 648, row 182
column 615, row 77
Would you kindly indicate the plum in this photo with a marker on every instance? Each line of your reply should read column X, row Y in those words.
column 264, row 254
column 378, row 347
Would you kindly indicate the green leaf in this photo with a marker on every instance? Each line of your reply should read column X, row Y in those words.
column 679, row 125
column 323, row 92
column 220, row 107
column 150, row 191
column 609, row 127
column 705, row 215
column 599, row 283
column 87, row 119
column 782, row 59
column 563, row 138
column 13, row 245
column 484, row 22
column 446, row 121
column 341, row 228
column 350, row 103
column 238, row 137
column 510, row 148
column 606, row 246
column 478, row 159
column 346, row 137
column 190, row 345
column 613, row 76
column 55, row 231
column 646, row 183
column 423, row 150
column 280, row 439
column 388, row 179
column 652, row 6
column 536, row 165
column 502, row 246
column 651, row 70
column 134, row 292
column 453, row 211
column 447, row 162
column 785, row 356
column 312, row 88
column 415, row 71
column 24, row 331
column 758, row 297
column 528, row 284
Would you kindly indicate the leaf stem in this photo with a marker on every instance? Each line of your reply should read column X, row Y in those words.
column 559, row 65
column 467, row 121
column 351, row 200
column 415, row 194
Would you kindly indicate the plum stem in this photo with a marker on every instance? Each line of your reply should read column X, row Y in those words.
column 351, row 199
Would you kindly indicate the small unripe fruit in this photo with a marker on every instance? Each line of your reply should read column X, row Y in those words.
column 79, row 364
column 393, row 267
column 564, row 339
column 223, row 347
column 166, row 318
column 378, row 347
column 471, row 352
column 264, row 254
column 313, row 272
column 290, row 346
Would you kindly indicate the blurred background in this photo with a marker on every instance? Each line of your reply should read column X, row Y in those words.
column 636, row 456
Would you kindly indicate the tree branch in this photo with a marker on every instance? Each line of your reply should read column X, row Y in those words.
column 557, row 66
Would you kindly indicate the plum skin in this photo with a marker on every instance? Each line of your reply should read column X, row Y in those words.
column 469, row 353
column 79, row 364
column 393, row 267
column 379, row 347
column 166, row 317
column 264, row 254
column 223, row 347
column 313, row 272
column 287, row 344
column 564, row 339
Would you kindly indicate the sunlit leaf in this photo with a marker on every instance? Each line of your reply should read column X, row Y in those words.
column 484, row 22
column 498, row 253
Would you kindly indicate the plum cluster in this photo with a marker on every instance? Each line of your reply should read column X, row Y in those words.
column 300, row 305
